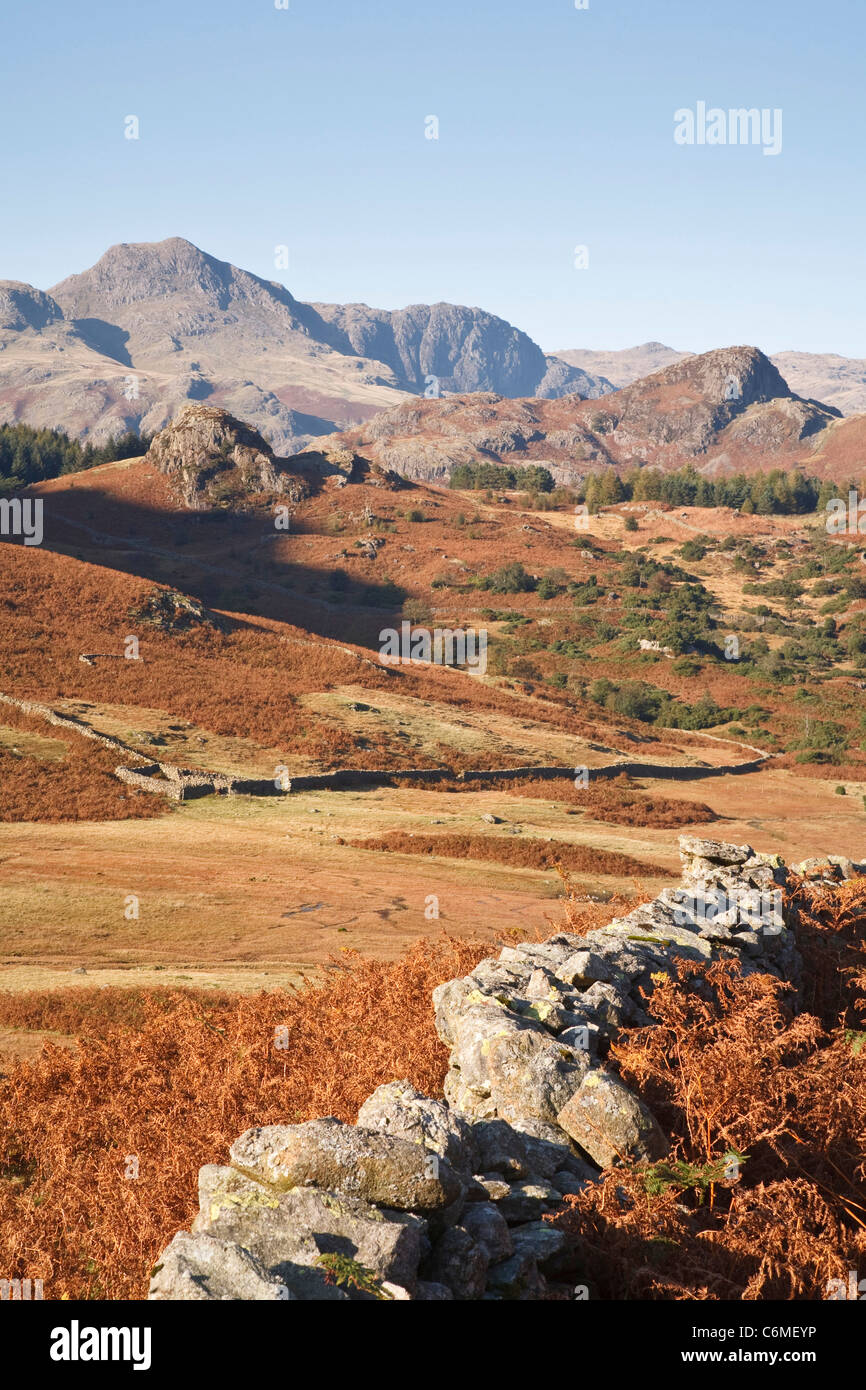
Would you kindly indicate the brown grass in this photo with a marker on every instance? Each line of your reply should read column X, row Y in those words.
column 176, row 1092
column 81, row 786
column 516, row 851
column 618, row 802
column 86, row 1009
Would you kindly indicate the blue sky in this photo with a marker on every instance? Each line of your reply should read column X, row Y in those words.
column 305, row 127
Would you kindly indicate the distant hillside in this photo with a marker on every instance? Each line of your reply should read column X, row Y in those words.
column 625, row 365
column 725, row 410
column 124, row 345
column 837, row 381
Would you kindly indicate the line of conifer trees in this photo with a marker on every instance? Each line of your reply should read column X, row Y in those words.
column 778, row 491
column 29, row 455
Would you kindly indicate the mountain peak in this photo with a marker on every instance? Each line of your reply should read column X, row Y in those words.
column 130, row 272
column 23, row 306
column 736, row 376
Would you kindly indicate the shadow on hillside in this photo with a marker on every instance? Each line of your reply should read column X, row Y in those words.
column 225, row 559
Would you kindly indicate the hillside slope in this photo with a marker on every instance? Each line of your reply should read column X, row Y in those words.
column 723, row 410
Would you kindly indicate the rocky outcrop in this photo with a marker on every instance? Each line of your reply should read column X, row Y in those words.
column 816, row 376
column 23, row 307
column 214, row 459
column 689, row 405
column 436, row 1200
column 171, row 611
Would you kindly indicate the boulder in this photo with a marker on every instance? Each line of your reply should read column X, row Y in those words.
column 202, row 1268
column 713, row 851
column 487, row 1187
column 489, row 1229
column 514, row 1063
column 398, row 1110
column 364, row 1163
column 288, row 1232
column 428, row 1292
column 500, row 1148
column 528, row 1201
column 547, row 1245
column 610, row 1122
column 458, row 1262
column 516, row 1278
column 584, row 968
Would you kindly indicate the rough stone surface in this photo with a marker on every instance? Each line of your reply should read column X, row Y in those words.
column 611, row 1123
column 200, row 1267
column 398, row 1110
column 459, row 1262
column 528, row 1201
column 207, row 453
column 489, row 1229
column 544, row 1243
column 359, row 1162
column 516, row 1278
column 289, row 1231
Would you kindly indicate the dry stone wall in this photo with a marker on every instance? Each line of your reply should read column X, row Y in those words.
column 435, row 1200
column 341, row 779
column 182, row 784
column 67, row 721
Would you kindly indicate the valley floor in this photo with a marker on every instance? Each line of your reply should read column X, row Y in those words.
column 246, row 893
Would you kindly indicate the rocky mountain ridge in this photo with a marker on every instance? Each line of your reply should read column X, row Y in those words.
column 822, row 376
column 123, row 345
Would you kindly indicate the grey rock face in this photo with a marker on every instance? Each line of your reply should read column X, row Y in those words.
column 501, row 1148
column 342, row 1158
column 585, row 968
column 504, row 1065
column 428, row 1292
column 489, row 1229
column 202, row 1268
column 714, row 851
column 22, row 307
column 528, row 1201
column 287, row 1232
column 517, row 1277
column 610, row 1122
column 398, row 1110
column 487, row 1187
column 544, row 1243
column 463, row 349
column 459, row 1262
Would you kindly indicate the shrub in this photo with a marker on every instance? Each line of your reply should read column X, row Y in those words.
column 509, row 579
